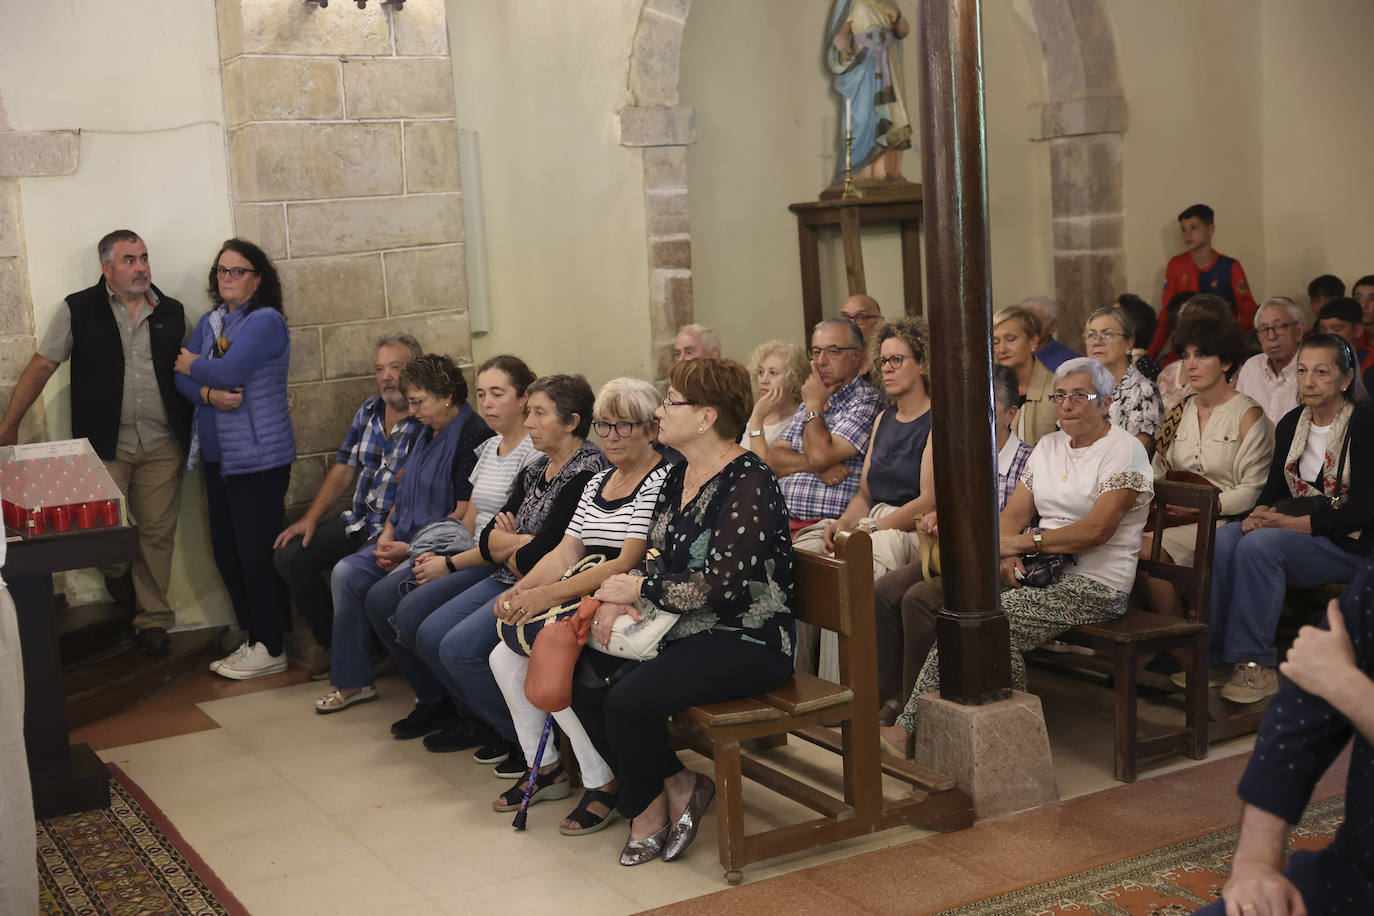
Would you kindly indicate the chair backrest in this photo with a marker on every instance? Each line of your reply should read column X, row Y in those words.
column 836, row 593
column 1194, row 583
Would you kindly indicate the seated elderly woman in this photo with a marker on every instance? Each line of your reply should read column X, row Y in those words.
column 435, row 484
column 1090, row 484
column 1015, row 338
column 1215, row 433
column 724, row 565
column 1314, row 522
column 905, row 602
column 1136, row 406
column 895, row 488
column 779, row 368
column 611, row 523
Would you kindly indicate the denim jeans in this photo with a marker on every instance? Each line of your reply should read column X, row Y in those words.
column 462, row 652
column 353, row 577
column 1250, row 572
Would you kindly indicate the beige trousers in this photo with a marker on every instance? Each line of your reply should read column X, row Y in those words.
column 18, row 851
column 151, row 481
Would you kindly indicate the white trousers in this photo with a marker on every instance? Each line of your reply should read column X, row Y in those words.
column 509, row 669
column 18, row 846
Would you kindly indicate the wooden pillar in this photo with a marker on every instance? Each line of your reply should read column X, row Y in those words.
column 971, row 630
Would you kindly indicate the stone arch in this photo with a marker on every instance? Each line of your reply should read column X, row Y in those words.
column 1083, row 122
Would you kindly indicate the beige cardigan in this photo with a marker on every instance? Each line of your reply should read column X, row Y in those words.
column 1037, row 417
column 1238, row 468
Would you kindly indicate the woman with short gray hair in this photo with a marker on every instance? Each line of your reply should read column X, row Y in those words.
column 1090, row 483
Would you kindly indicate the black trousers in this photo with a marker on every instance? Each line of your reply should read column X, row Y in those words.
column 629, row 722
column 246, row 515
column 305, row 569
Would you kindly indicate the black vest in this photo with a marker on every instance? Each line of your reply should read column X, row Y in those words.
column 98, row 367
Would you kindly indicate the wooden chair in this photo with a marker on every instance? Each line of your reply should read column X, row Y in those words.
column 1135, row 637
column 834, row 593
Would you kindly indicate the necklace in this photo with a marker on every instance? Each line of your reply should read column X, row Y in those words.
column 622, row 482
column 712, row 469
column 1070, row 462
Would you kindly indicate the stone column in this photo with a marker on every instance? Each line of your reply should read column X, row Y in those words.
column 343, row 151
column 23, row 154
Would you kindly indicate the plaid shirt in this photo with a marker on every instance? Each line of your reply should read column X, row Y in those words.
column 1018, row 454
column 849, row 414
column 379, row 458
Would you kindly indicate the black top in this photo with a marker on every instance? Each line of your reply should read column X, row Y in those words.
column 1356, row 513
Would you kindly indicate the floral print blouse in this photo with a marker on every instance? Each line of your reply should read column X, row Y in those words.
column 1136, row 406
column 725, row 560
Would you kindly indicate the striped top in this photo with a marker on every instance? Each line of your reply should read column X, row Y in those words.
column 493, row 475
column 604, row 525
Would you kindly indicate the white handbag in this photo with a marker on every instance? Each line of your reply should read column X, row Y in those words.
column 637, row 640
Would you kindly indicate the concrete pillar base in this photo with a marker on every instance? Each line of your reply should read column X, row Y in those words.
column 999, row 752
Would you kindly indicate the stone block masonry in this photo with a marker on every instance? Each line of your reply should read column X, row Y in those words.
column 343, row 143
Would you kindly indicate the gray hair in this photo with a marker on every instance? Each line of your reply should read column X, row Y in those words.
column 105, row 247
column 710, row 340
column 1102, row 380
column 851, row 330
column 628, row 399
column 1046, row 304
column 1295, row 311
column 400, row 339
column 1004, row 388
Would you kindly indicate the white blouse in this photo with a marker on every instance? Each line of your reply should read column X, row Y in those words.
column 1066, row 482
column 1235, row 466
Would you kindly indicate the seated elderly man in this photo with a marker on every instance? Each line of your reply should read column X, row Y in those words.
column 905, row 601
column 1090, row 483
column 694, row 341
column 1270, row 377
column 1328, row 698
column 817, row 459
column 1052, row 353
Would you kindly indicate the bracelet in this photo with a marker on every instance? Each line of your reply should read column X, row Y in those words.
column 205, row 394
column 448, row 561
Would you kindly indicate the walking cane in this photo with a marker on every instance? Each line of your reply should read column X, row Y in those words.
column 519, row 822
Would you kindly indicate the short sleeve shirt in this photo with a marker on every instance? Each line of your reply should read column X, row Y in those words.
column 848, row 414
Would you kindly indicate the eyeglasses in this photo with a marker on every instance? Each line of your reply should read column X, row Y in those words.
column 894, row 361
column 831, row 351
column 859, row 316
column 416, row 402
column 669, row 402
column 1105, row 336
column 623, row 428
column 1274, row 330
column 1078, row 397
column 235, row 272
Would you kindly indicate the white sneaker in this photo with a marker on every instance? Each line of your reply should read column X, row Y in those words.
column 255, row 662
column 237, row 653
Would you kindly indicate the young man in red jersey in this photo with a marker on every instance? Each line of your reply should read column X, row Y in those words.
column 1202, row 269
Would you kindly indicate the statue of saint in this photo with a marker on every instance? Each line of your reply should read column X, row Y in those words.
column 867, row 62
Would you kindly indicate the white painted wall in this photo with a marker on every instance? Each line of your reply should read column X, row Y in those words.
column 127, row 73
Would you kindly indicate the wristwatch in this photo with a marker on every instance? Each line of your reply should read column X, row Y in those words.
column 809, row 416
column 870, row 523
column 755, row 433
column 1037, row 538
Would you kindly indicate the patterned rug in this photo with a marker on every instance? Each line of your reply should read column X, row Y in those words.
column 125, row 861
column 1169, row 881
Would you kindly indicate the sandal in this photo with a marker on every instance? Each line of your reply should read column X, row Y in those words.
column 334, row 700
column 548, row 786
column 583, row 817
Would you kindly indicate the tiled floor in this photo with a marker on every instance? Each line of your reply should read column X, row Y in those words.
column 300, row 813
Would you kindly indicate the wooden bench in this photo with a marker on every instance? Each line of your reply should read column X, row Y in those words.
column 834, row 593
column 1134, row 638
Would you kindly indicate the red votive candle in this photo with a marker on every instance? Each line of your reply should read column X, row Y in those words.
column 59, row 518
column 85, row 515
column 36, row 522
column 109, row 512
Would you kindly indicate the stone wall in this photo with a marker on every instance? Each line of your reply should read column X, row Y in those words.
column 343, row 151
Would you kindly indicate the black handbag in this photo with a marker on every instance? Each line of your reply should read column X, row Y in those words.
column 1045, row 569
column 1299, row 506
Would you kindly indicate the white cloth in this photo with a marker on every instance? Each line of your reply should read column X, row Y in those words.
column 1277, row 394
column 1313, row 460
column 493, row 474
column 771, row 431
column 1006, row 454
column 1066, row 482
column 510, row 669
column 18, row 855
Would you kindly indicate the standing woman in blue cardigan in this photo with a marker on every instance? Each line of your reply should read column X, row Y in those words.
column 234, row 371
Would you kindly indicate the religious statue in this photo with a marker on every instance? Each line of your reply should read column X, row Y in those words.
column 864, row 55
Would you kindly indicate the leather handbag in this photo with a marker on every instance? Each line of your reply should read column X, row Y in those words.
column 637, row 640
column 519, row 637
column 1045, row 569
column 548, row 682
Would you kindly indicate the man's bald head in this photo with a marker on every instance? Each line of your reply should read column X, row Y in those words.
column 863, row 312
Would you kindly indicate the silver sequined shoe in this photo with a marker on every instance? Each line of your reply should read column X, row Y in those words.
column 637, row 852
column 685, row 830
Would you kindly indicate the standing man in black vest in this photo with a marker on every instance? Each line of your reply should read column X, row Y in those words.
column 123, row 336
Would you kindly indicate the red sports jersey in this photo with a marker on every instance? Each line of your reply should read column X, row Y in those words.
column 1223, row 277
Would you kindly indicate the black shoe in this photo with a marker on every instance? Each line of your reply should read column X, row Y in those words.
column 492, row 752
column 468, row 733
column 121, row 588
column 154, row 641
column 425, row 718
column 514, row 766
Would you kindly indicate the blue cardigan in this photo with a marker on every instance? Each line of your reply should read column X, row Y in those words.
column 257, row 436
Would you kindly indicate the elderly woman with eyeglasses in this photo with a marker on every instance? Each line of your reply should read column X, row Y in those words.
column 779, row 369
column 1135, row 403
column 1090, row 484
column 611, row 522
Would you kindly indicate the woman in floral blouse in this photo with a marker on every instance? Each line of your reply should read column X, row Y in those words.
column 724, row 565
column 1136, row 406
